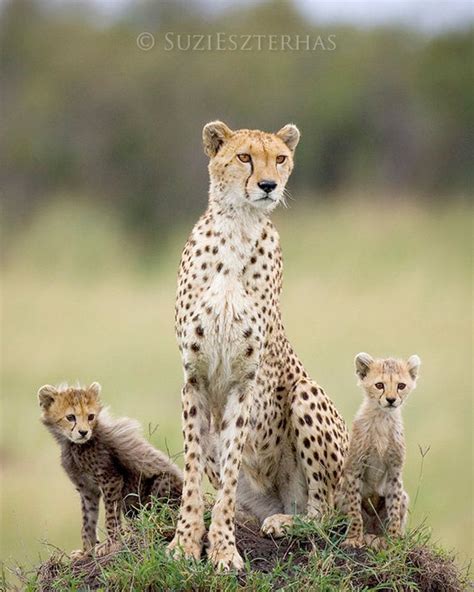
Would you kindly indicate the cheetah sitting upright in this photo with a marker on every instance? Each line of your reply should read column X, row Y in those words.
column 263, row 431
column 371, row 488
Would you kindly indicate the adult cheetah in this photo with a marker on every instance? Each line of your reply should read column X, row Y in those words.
column 263, row 431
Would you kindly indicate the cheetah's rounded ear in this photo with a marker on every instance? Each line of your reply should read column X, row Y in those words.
column 363, row 362
column 46, row 395
column 290, row 134
column 413, row 365
column 214, row 134
column 95, row 389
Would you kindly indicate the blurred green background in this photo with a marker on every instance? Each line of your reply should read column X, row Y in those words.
column 102, row 175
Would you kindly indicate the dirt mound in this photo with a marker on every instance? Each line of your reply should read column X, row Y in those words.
column 429, row 571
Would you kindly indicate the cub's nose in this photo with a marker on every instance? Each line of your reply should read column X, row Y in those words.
column 267, row 186
column 83, row 433
column 390, row 400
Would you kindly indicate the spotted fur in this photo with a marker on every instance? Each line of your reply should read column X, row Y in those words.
column 106, row 458
column 267, row 436
column 372, row 477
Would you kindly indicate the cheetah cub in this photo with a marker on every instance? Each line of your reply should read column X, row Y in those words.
column 371, row 489
column 105, row 457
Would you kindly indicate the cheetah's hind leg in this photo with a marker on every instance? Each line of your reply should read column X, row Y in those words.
column 318, row 435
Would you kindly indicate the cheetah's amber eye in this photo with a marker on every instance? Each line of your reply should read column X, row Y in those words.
column 91, row 417
column 71, row 417
column 379, row 385
column 244, row 157
column 401, row 386
column 281, row 158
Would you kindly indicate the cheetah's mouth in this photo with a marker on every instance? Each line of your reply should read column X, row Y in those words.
column 265, row 199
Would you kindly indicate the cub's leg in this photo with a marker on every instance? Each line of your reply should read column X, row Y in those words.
column 404, row 511
column 353, row 508
column 319, row 436
column 90, row 513
column 112, row 493
column 190, row 528
column 395, row 499
column 222, row 549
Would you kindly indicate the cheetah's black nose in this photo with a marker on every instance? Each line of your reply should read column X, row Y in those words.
column 390, row 400
column 83, row 433
column 267, row 186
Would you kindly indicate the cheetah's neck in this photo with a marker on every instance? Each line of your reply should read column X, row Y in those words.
column 379, row 426
column 373, row 414
column 236, row 231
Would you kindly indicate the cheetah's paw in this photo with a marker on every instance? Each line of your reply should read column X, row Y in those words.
column 225, row 559
column 276, row 525
column 354, row 542
column 185, row 547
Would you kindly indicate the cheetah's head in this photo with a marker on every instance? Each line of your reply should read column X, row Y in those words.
column 249, row 167
column 70, row 412
column 387, row 382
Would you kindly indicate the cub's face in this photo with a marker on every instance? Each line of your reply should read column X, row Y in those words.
column 249, row 166
column 71, row 412
column 387, row 382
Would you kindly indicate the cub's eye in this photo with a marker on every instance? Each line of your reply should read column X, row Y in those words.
column 379, row 385
column 90, row 416
column 401, row 386
column 281, row 158
column 71, row 417
column 244, row 157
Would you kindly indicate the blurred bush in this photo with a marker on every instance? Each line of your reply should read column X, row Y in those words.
column 86, row 112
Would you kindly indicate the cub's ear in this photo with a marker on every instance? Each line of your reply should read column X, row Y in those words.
column 363, row 362
column 95, row 389
column 290, row 134
column 214, row 134
column 46, row 395
column 413, row 365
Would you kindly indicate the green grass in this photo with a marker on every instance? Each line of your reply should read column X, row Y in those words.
column 81, row 302
column 309, row 556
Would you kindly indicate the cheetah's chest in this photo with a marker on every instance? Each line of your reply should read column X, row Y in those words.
column 228, row 335
column 375, row 475
column 227, row 308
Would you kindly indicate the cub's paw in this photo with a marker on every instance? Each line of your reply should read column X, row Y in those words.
column 375, row 542
column 107, row 547
column 186, row 547
column 353, row 542
column 225, row 558
column 276, row 525
column 78, row 554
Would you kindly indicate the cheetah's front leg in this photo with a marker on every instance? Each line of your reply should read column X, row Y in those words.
column 190, row 528
column 222, row 550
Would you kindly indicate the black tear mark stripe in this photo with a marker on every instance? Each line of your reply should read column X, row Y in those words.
column 248, row 178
